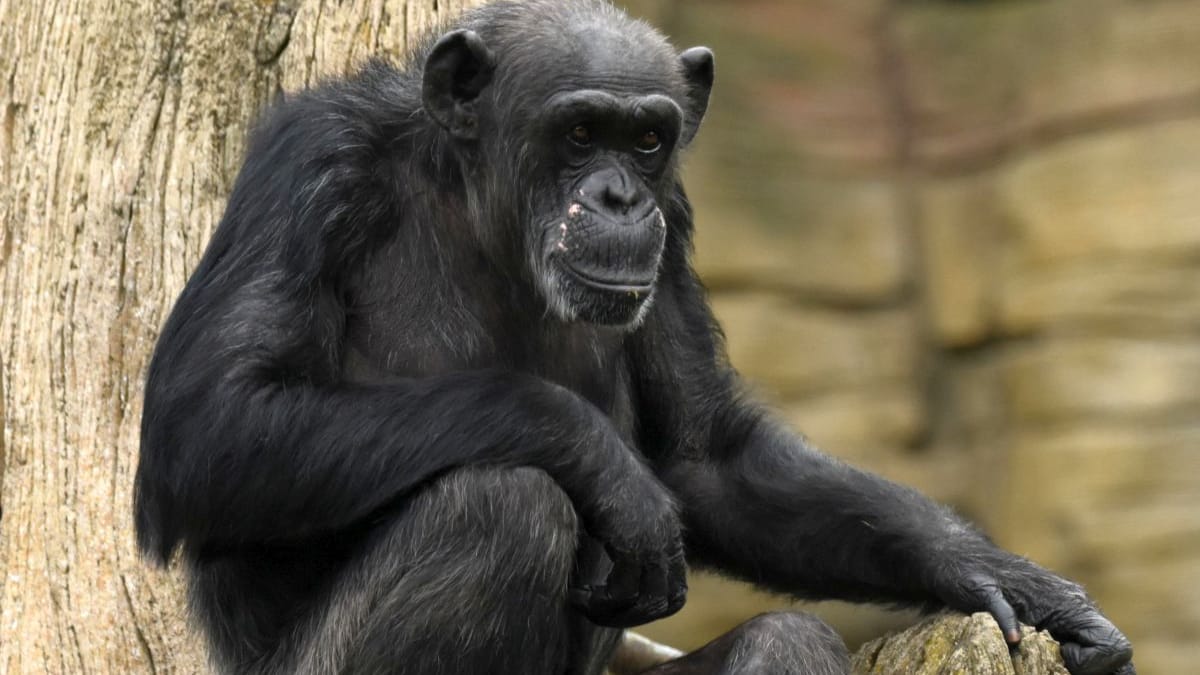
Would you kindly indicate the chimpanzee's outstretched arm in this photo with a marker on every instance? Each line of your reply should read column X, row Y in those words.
column 758, row 501
column 775, row 511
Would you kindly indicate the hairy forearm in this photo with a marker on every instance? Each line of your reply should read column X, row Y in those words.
column 784, row 515
column 288, row 462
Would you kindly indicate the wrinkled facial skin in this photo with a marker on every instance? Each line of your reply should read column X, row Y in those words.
column 599, row 243
column 578, row 148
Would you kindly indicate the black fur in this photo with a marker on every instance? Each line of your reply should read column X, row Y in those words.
column 444, row 391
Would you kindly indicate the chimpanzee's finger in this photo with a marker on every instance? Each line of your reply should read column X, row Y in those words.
column 1091, row 644
column 1095, row 660
column 1006, row 617
column 608, row 603
column 580, row 596
column 987, row 593
column 653, row 599
column 624, row 582
column 1097, row 648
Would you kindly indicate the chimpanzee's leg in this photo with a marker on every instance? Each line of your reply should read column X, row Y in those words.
column 470, row 578
column 782, row 643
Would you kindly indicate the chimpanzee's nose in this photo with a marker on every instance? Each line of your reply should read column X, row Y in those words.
column 620, row 193
column 611, row 190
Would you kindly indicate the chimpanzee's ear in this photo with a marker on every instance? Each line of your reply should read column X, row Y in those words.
column 697, row 65
column 456, row 72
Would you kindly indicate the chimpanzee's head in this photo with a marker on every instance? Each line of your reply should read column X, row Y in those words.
column 574, row 115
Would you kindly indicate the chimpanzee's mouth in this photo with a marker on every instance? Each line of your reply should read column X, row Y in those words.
column 640, row 284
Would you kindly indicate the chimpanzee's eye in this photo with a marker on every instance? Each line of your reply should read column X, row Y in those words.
column 580, row 136
column 648, row 143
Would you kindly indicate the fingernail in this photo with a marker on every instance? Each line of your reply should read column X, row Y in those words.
column 1013, row 636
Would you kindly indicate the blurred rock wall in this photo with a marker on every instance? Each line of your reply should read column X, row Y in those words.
column 958, row 242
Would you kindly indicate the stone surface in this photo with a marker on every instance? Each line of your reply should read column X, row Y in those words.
column 786, row 176
column 1124, row 192
column 1111, row 501
column 961, row 255
column 798, row 81
column 794, row 348
column 768, row 226
column 986, row 78
column 943, row 644
column 958, row 645
column 890, row 414
column 1123, row 295
column 1078, row 378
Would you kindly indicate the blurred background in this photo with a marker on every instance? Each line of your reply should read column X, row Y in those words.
column 958, row 243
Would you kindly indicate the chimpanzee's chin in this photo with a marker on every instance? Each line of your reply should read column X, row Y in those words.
column 607, row 304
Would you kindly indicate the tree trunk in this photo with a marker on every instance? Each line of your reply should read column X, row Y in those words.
column 121, row 129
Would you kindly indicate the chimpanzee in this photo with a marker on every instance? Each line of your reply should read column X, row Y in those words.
column 444, row 394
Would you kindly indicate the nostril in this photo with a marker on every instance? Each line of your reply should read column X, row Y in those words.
column 611, row 190
column 620, row 193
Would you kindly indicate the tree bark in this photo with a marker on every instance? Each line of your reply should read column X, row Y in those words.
column 121, row 128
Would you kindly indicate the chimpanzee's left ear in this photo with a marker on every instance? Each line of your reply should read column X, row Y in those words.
column 457, row 70
column 697, row 65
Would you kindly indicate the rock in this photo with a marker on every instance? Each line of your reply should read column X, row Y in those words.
column 878, row 415
column 1071, row 379
column 943, row 644
column 793, row 349
column 774, row 225
column 1065, row 204
column 961, row 248
column 957, row 644
column 1114, row 295
column 799, row 82
column 977, row 84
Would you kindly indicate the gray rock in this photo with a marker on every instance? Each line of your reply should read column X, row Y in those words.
column 954, row 644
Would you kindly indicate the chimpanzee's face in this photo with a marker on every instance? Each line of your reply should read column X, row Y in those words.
column 577, row 131
column 600, row 239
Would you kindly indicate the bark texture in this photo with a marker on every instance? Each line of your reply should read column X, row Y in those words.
column 121, row 128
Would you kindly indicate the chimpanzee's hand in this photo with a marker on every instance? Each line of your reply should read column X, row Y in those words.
column 635, row 573
column 1015, row 589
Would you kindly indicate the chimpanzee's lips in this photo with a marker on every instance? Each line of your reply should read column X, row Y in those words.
column 627, row 285
column 613, row 254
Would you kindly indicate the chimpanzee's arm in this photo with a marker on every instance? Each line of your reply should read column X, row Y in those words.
column 759, row 502
column 258, row 459
column 757, row 499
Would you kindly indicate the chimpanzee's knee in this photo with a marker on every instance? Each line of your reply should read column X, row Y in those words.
column 469, row 577
column 521, row 508
column 780, row 643
column 794, row 643
column 515, row 529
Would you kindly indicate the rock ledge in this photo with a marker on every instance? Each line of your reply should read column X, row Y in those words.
column 955, row 644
